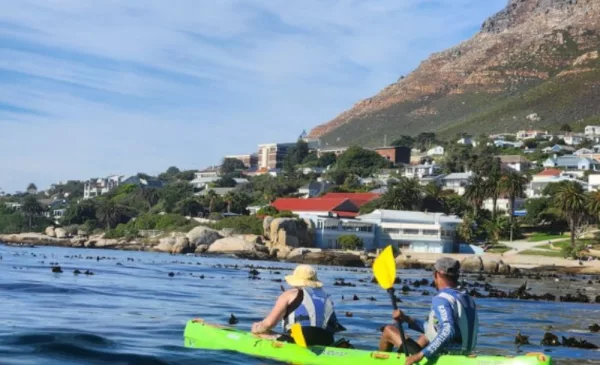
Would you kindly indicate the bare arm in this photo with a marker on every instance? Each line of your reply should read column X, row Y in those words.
column 277, row 312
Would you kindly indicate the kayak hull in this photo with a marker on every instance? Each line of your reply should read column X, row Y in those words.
column 208, row 337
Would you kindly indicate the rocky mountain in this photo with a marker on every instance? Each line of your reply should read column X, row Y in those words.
column 534, row 57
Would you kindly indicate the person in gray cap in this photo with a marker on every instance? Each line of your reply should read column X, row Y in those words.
column 452, row 326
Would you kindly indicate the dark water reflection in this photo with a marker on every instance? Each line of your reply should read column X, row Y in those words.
column 132, row 312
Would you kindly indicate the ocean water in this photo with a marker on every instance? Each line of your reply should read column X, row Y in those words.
column 132, row 312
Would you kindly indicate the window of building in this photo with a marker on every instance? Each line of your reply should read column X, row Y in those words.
column 413, row 232
column 391, row 230
column 430, row 232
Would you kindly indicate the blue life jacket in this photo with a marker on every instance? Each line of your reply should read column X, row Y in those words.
column 316, row 310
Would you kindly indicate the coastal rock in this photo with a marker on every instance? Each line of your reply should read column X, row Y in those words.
column 291, row 232
column 227, row 232
column 252, row 238
column 201, row 249
column 404, row 262
column 503, row 268
column 202, row 236
column 165, row 244
column 106, row 243
column 328, row 258
column 181, row 245
column 267, row 226
column 82, row 233
column 50, row 232
column 232, row 245
column 60, row 233
column 472, row 264
column 294, row 253
column 490, row 266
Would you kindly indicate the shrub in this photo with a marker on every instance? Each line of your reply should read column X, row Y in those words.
column 350, row 242
column 573, row 252
column 285, row 214
column 215, row 216
column 241, row 224
column 268, row 210
column 72, row 229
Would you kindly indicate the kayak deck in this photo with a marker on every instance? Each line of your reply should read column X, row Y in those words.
column 208, row 337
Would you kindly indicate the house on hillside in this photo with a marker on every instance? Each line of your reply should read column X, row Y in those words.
column 559, row 148
column 436, row 151
column 573, row 139
column 218, row 191
column 324, row 207
column 593, row 182
column 96, row 187
column 457, row 182
column 507, row 144
column 314, row 188
column 592, row 131
column 415, row 231
column 145, row 182
column 515, row 162
column 503, row 204
column 467, row 141
column 571, row 162
column 419, row 171
column 539, row 181
column 328, row 230
column 530, row 134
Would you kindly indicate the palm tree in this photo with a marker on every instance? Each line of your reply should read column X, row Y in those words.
column 572, row 202
column 109, row 213
column 31, row 208
column 475, row 193
column 405, row 195
column 434, row 198
column 593, row 205
column 493, row 185
column 513, row 185
column 228, row 198
column 151, row 196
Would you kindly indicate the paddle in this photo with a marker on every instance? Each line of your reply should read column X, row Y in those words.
column 384, row 269
column 297, row 335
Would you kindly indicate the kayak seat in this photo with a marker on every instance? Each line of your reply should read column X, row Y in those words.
column 314, row 336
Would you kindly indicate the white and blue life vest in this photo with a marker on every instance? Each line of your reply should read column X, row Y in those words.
column 316, row 310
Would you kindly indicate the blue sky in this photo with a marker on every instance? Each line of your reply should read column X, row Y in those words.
column 90, row 88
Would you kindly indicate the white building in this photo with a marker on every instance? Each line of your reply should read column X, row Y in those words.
column 436, row 151
column 573, row 139
column 419, row 171
column 468, row 141
column 507, row 144
column 571, row 162
column 533, row 134
column 457, row 182
column 592, row 131
column 96, row 187
column 515, row 162
column 539, row 181
column 594, row 182
column 415, row 231
column 328, row 231
column 503, row 204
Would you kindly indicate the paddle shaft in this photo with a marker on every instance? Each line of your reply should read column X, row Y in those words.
column 398, row 322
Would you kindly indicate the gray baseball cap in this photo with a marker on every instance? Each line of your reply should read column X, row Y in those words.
column 448, row 266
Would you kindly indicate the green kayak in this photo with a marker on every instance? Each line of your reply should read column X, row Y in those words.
column 209, row 337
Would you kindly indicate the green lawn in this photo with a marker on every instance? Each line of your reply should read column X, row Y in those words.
column 539, row 236
column 542, row 253
column 559, row 244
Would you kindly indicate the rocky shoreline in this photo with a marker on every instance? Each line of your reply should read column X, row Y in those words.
column 206, row 241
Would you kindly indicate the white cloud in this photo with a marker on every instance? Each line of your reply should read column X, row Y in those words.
column 113, row 86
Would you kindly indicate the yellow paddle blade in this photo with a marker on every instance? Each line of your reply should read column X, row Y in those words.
column 297, row 335
column 384, row 268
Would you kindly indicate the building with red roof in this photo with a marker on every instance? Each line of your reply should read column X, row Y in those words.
column 341, row 207
column 549, row 172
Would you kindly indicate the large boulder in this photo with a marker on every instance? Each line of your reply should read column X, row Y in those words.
column 267, row 226
column 291, row 232
column 165, row 244
column 181, row 245
column 107, row 243
column 504, row 268
column 252, row 238
column 201, row 249
column 60, row 232
column 472, row 264
column 232, row 245
column 293, row 254
column 50, row 232
column 490, row 266
column 227, row 232
column 202, row 236
column 328, row 258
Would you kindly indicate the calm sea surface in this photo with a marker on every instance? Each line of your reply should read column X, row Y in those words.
column 132, row 312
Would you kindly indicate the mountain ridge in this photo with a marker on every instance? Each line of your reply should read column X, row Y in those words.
column 534, row 56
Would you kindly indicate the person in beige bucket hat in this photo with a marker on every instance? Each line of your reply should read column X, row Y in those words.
column 306, row 303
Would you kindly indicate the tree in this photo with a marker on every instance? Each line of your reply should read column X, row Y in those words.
column 175, row 192
column 173, row 170
column 565, row 128
column 31, row 189
column 80, row 213
column 31, row 208
column 493, row 185
column 190, row 207
column 475, row 194
column 571, row 200
column 151, row 196
column 593, row 204
column 405, row 195
column 425, row 140
column 466, row 230
column 433, row 200
column 360, row 161
column 225, row 182
column 458, row 158
column 110, row 214
column 326, row 159
column 404, row 141
column 513, row 185
column 350, row 242
column 230, row 165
